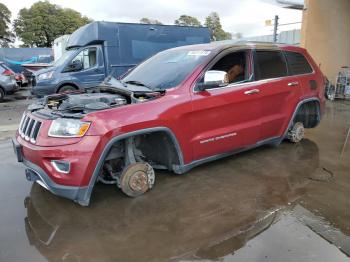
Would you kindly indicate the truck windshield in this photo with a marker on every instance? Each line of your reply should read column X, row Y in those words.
column 166, row 69
column 60, row 61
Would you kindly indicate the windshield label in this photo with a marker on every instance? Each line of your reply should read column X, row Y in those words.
column 198, row 53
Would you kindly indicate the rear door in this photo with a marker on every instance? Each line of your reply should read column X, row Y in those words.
column 298, row 66
column 279, row 92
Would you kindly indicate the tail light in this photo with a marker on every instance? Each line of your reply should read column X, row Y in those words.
column 18, row 77
column 8, row 72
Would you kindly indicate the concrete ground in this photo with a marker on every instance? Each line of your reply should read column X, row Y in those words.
column 11, row 110
column 289, row 203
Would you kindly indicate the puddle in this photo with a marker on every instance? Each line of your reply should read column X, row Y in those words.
column 234, row 209
column 283, row 235
column 322, row 175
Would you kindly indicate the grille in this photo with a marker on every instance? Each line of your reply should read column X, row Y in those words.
column 29, row 128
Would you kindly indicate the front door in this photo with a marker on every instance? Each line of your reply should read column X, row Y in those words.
column 226, row 118
column 93, row 71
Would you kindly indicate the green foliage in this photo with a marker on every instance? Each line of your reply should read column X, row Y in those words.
column 146, row 20
column 213, row 23
column 186, row 20
column 39, row 25
column 6, row 36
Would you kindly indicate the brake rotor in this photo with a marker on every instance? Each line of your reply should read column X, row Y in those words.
column 137, row 178
column 297, row 133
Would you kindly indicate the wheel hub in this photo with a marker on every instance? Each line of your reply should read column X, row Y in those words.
column 137, row 178
column 297, row 133
column 138, row 181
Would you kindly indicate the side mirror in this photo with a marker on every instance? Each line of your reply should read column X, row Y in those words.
column 75, row 65
column 212, row 79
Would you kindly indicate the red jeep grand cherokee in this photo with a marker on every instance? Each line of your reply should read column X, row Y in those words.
column 178, row 109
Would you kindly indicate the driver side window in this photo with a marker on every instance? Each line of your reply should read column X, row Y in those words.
column 232, row 68
column 235, row 65
column 88, row 57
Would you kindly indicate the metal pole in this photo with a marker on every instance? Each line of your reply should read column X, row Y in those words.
column 275, row 27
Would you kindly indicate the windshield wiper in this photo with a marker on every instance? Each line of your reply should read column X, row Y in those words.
column 137, row 83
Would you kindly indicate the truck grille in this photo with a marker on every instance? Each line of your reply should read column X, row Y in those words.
column 29, row 128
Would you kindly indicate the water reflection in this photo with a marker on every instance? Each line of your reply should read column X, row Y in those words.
column 183, row 216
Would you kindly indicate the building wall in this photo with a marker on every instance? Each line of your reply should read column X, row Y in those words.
column 325, row 33
column 291, row 37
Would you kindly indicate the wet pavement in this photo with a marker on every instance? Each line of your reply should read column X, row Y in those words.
column 11, row 110
column 290, row 203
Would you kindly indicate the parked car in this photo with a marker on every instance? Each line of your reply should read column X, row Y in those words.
column 178, row 109
column 21, row 79
column 8, row 83
column 98, row 49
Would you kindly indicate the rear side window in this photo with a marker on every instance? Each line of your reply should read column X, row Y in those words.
column 269, row 64
column 2, row 69
column 297, row 64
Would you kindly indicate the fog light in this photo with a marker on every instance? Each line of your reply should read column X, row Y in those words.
column 61, row 166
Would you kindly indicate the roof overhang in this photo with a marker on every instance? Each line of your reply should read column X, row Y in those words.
column 291, row 4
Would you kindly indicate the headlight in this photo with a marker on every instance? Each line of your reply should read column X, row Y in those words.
column 63, row 127
column 45, row 76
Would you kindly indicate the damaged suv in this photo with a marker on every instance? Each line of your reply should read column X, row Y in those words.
column 178, row 109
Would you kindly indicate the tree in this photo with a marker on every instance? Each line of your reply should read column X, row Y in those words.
column 213, row 23
column 186, row 20
column 39, row 25
column 6, row 36
column 146, row 20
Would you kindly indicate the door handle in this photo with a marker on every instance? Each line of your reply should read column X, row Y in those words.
column 293, row 83
column 252, row 91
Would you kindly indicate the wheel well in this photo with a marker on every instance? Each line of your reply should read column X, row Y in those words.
column 159, row 148
column 3, row 90
column 67, row 84
column 156, row 148
column 309, row 114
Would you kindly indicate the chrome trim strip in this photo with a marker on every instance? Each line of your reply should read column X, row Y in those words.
column 21, row 123
column 54, row 164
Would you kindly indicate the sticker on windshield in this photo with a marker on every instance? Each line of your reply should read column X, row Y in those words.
column 198, row 53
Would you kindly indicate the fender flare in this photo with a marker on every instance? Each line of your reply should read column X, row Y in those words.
column 69, row 83
column 312, row 99
column 84, row 199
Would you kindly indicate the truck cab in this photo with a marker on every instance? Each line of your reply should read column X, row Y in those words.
column 99, row 49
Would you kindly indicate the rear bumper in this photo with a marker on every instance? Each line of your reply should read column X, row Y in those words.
column 11, row 87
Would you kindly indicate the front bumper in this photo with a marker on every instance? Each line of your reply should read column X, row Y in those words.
column 36, row 173
column 43, row 88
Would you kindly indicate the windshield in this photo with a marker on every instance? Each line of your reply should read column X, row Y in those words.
column 166, row 69
column 63, row 58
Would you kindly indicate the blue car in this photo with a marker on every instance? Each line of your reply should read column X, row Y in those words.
column 99, row 49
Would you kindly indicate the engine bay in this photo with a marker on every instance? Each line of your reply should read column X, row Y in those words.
column 86, row 102
column 78, row 104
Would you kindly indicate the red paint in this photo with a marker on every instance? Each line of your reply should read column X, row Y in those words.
column 233, row 119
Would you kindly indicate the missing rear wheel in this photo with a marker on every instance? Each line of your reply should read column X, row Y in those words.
column 296, row 133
